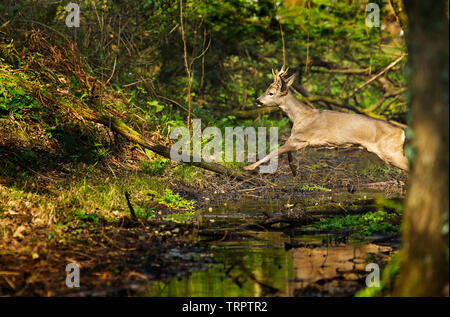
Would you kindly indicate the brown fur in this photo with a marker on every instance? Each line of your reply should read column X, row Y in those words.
column 313, row 127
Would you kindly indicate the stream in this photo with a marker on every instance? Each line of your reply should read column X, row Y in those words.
column 244, row 260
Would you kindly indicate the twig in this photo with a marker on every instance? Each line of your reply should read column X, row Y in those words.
column 130, row 206
column 376, row 76
column 187, row 66
column 174, row 102
column 112, row 74
column 342, row 71
column 282, row 41
column 202, row 53
column 46, row 26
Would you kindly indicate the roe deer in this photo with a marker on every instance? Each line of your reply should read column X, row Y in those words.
column 313, row 127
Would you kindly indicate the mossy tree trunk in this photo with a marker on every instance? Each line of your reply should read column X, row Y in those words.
column 424, row 267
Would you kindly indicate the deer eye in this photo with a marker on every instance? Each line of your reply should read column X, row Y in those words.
column 270, row 94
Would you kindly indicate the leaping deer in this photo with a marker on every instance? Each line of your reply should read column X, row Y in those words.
column 313, row 127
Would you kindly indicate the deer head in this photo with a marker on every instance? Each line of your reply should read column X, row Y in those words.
column 277, row 91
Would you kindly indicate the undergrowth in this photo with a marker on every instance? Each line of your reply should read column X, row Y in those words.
column 367, row 224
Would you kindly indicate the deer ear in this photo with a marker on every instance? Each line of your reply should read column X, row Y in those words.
column 287, row 83
column 290, row 81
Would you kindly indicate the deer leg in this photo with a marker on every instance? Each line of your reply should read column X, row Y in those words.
column 392, row 157
column 398, row 160
column 287, row 147
column 402, row 163
column 291, row 164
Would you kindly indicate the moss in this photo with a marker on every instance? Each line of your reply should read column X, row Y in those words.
column 315, row 188
column 367, row 224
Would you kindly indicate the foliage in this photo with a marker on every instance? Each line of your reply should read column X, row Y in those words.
column 86, row 216
column 155, row 167
column 174, row 200
column 314, row 188
column 187, row 172
column 390, row 205
column 144, row 213
column 367, row 224
column 13, row 97
column 381, row 171
column 241, row 41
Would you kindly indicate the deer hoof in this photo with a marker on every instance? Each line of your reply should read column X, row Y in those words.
column 249, row 167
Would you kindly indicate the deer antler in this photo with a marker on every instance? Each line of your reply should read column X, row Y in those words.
column 283, row 72
column 279, row 74
column 275, row 77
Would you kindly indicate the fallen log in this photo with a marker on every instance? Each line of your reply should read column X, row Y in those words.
column 121, row 128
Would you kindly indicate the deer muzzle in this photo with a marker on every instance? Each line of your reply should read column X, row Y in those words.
column 259, row 103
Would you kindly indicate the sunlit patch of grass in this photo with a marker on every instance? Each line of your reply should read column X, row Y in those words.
column 93, row 217
column 314, row 188
column 318, row 166
column 144, row 213
column 187, row 173
column 174, row 200
column 106, row 197
column 155, row 167
column 82, row 201
column 381, row 171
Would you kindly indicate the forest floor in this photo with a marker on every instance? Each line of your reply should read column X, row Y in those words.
column 55, row 210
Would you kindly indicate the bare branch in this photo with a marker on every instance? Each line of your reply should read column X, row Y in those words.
column 376, row 76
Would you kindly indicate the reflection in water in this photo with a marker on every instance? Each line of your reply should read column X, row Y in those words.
column 259, row 265
column 323, row 263
column 265, row 268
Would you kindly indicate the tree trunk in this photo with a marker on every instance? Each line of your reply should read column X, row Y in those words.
column 424, row 267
